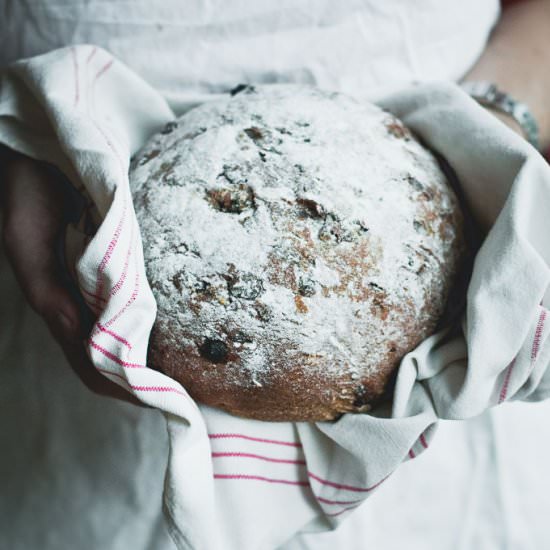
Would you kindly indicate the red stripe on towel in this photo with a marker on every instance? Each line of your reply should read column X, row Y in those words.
column 114, row 358
column 161, row 389
column 346, row 487
column 92, row 53
column 423, row 441
column 504, row 389
column 114, row 335
column 310, row 474
column 104, row 69
column 109, row 251
column 124, row 273
column 130, row 301
column 538, row 334
column 249, row 438
column 333, row 514
column 327, row 501
column 261, row 478
column 259, row 457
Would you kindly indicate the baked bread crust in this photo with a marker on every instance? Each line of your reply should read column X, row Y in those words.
column 298, row 244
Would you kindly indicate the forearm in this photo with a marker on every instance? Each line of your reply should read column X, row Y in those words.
column 517, row 59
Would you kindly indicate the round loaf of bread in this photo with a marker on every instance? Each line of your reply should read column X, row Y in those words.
column 298, row 244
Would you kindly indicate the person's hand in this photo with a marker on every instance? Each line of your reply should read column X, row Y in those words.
column 36, row 209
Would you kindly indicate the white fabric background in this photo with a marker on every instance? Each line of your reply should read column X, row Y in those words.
column 188, row 49
column 482, row 484
column 96, row 518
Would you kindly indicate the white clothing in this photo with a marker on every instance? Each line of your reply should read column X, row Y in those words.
column 318, row 42
column 209, row 46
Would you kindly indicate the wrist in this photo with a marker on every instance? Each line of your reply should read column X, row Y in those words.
column 506, row 107
column 507, row 120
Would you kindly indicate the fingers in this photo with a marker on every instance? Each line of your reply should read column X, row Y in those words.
column 35, row 203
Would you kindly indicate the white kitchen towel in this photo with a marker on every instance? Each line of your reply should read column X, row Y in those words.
column 234, row 483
